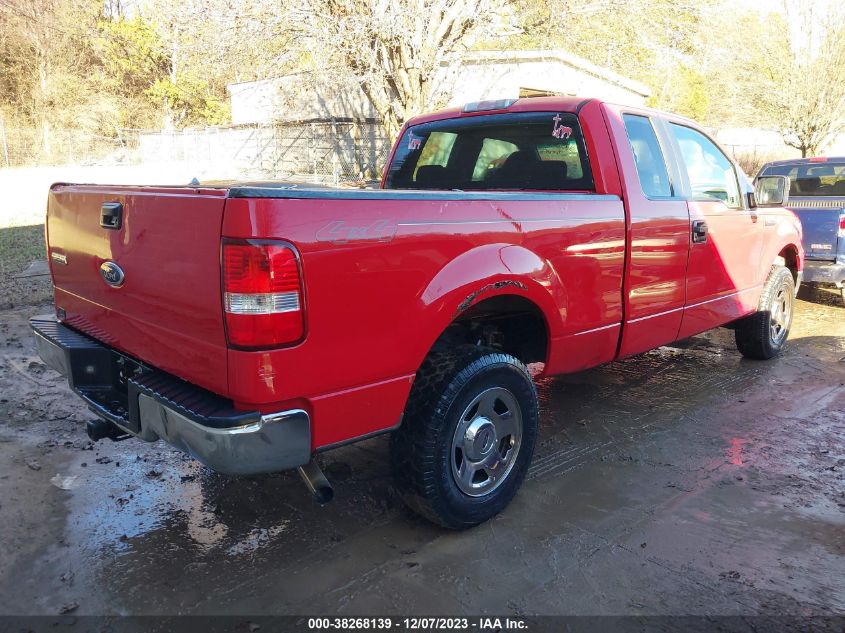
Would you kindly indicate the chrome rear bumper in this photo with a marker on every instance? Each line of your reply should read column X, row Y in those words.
column 817, row 271
column 153, row 405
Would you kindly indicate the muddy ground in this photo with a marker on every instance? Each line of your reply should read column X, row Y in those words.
column 683, row 481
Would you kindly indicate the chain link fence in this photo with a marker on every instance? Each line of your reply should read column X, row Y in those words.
column 32, row 147
column 328, row 152
column 333, row 153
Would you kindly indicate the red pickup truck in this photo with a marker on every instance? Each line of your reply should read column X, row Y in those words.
column 257, row 325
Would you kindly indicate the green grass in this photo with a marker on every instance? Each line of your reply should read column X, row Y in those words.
column 20, row 245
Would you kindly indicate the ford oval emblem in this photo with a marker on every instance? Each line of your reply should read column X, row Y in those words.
column 112, row 274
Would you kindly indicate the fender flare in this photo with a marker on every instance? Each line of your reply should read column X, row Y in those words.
column 780, row 260
column 790, row 236
column 481, row 273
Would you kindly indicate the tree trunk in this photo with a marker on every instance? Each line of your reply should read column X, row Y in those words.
column 41, row 100
column 3, row 140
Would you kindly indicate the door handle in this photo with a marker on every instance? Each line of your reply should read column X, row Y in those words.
column 699, row 231
column 111, row 215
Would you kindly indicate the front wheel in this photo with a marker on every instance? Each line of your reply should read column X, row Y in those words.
column 467, row 436
column 763, row 334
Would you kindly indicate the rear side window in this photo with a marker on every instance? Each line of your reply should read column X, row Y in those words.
column 648, row 156
column 711, row 174
column 812, row 179
column 525, row 151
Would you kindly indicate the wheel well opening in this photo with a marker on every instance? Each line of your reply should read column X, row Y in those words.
column 790, row 260
column 509, row 323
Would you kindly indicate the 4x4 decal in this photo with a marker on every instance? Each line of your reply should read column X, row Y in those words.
column 340, row 232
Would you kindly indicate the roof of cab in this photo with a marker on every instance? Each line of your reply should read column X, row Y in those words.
column 810, row 160
column 530, row 104
column 545, row 104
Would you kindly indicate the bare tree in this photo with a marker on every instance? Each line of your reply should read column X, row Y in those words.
column 403, row 53
column 811, row 102
column 34, row 23
column 50, row 49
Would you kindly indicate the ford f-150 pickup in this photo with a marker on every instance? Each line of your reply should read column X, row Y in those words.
column 817, row 196
column 254, row 326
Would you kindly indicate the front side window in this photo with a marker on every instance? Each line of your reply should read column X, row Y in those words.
column 711, row 174
column 648, row 156
column 540, row 151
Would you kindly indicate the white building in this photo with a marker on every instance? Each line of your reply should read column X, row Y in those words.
column 512, row 74
column 482, row 75
column 297, row 97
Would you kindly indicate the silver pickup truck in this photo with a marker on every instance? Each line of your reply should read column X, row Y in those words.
column 817, row 196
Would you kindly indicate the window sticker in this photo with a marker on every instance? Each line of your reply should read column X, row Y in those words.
column 560, row 131
column 414, row 142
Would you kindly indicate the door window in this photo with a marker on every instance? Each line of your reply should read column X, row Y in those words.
column 711, row 174
column 651, row 165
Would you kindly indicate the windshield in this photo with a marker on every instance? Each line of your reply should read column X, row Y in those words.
column 812, row 179
column 534, row 150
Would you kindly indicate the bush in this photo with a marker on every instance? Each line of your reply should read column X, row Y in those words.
column 752, row 161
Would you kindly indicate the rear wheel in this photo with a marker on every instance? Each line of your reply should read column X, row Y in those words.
column 763, row 334
column 467, row 436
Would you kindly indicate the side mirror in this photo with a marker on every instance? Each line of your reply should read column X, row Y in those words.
column 771, row 191
column 751, row 199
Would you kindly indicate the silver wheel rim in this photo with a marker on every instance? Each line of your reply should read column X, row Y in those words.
column 486, row 442
column 780, row 315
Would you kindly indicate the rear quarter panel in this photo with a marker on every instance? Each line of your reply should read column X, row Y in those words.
column 384, row 277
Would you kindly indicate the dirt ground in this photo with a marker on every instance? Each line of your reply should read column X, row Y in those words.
column 685, row 481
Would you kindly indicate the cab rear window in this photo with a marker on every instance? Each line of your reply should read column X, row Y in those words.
column 812, row 179
column 541, row 151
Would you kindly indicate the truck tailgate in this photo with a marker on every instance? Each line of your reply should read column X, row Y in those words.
column 166, row 310
column 821, row 229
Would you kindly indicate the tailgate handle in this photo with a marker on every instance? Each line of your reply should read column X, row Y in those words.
column 111, row 215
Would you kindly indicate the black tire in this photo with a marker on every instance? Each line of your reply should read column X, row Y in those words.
column 423, row 451
column 763, row 335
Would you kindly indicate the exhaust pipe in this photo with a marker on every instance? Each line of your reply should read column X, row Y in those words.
column 316, row 482
column 99, row 429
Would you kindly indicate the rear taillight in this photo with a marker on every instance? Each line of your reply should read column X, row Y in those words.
column 262, row 294
column 842, row 225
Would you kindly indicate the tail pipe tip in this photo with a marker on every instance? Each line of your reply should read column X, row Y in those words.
column 99, row 429
column 316, row 481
